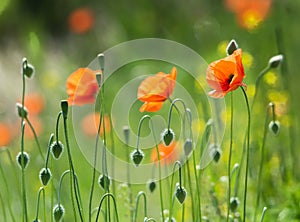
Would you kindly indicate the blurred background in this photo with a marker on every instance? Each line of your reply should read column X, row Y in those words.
column 58, row 37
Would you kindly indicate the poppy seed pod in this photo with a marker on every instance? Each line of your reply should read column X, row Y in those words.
column 151, row 185
column 180, row 193
column 168, row 136
column 234, row 203
column 23, row 159
column 45, row 176
column 231, row 47
column 137, row 157
column 64, row 108
column 58, row 212
column 274, row 127
column 57, row 149
column 22, row 111
column 275, row 61
column 188, row 147
column 104, row 181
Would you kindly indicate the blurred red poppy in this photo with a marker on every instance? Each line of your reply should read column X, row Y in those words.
column 5, row 134
column 154, row 90
column 37, row 124
column 82, row 86
column 168, row 154
column 250, row 13
column 90, row 124
column 226, row 74
column 34, row 103
column 81, row 20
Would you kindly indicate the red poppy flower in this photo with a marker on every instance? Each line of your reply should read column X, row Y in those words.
column 250, row 13
column 81, row 20
column 226, row 74
column 34, row 103
column 90, row 124
column 154, row 90
column 82, row 86
column 167, row 154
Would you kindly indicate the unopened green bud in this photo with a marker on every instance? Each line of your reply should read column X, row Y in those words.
column 188, row 147
column 231, row 47
column 64, row 108
column 58, row 212
column 28, row 69
column 274, row 127
column 234, row 203
column 275, row 61
column 215, row 152
column 45, row 176
column 151, row 185
column 101, row 61
column 104, row 181
column 180, row 193
column 23, row 160
column 22, row 111
column 137, row 156
column 57, row 149
column 168, row 136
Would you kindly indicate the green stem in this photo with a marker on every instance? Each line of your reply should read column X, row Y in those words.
column 25, row 214
column 197, row 188
column 3, row 208
column 263, row 214
column 107, row 195
column 229, row 157
column 177, row 163
column 171, row 108
column 247, row 154
column 191, row 188
column 56, row 126
column 52, row 191
column 48, row 151
column 141, row 193
column 38, row 203
column 35, row 137
column 259, row 181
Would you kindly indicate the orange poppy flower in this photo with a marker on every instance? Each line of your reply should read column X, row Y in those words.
column 5, row 134
column 226, row 74
column 82, row 86
column 250, row 13
column 167, row 153
column 36, row 122
column 81, row 20
column 34, row 103
column 154, row 90
column 90, row 124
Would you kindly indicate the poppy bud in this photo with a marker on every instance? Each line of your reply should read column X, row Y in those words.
column 23, row 159
column 58, row 212
column 151, row 185
column 104, row 181
column 137, row 157
column 274, row 127
column 64, row 108
column 188, row 147
column 167, row 136
column 28, row 69
column 180, row 193
column 36, row 220
column 22, row 111
column 57, row 148
column 275, row 61
column 231, row 47
column 215, row 152
column 234, row 203
column 101, row 61
column 45, row 176
column 99, row 79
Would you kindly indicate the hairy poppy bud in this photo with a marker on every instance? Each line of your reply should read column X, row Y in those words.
column 64, row 108
column 23, row 160
column 231, row 47
column 168, row 136
column 234, row 203
column 137, row 157
column 275, row 61
column 45, row 176
column 215, row 152
column 28, row 69
column 22, row 111
column 58, row 212
column 151, row 185
column 274, row 127
column 101, row 61
column 57, row 148
column 188, row 147
column 104, row 181
column 180, row 193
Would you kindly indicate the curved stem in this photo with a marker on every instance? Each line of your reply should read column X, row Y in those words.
column 171, row 108
column 141, row 193
column 38, row 202
column 48, row 151
column 247, row 153
column 150, row 219
column 115, row 205
column 229, row 157
column 57, row 124
column 177, row 163
column 263, row 214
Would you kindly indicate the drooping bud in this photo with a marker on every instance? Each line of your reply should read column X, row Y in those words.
column 57, row 149
column 180, row 193
column 104, row 181
column 168, row 136
column 188, row 147
column 28, row 69
column 274, row 127
column 58, row 212
column 234, row 203
column 231, row 47
column 45, row 176
column 22, row 111
column 23, row 160
column 275, row 61
column 137, row 157
column 64, row 108
column 151, row 185
column 215, row 152
column 101, row 61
